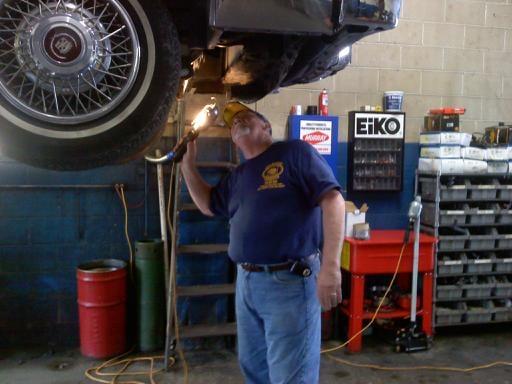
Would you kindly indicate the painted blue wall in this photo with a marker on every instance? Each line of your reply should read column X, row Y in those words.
column 46, row 233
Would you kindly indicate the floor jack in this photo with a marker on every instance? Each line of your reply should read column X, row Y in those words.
column 411, row 339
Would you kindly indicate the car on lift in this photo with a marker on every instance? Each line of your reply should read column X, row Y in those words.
column 85, row 83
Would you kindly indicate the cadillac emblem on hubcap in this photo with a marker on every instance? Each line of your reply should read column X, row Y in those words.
column 62, row 44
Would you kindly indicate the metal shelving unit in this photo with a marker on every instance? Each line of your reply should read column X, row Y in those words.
column 471, row 215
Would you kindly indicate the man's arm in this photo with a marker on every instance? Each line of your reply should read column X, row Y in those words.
column 198, row 188
column 333, row 221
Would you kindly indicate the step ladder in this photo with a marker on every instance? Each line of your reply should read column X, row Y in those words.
column 184, row 245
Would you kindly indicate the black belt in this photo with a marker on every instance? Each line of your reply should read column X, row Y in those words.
column 276, row 267
column 270, row 268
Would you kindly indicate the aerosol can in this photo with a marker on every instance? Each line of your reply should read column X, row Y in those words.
column 323, row 103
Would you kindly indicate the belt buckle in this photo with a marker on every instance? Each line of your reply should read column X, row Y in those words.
column 249, row 267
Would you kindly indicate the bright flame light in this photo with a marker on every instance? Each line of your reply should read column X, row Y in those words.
column 206, row 116
column 344, row 52
column 200, row 119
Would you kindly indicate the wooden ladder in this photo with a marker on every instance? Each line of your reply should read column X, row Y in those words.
column 182, row 206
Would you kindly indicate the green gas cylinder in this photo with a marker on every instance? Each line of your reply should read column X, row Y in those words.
column 150, row 294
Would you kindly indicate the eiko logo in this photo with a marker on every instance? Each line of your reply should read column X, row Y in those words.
column 379, row 125
column 315, row 137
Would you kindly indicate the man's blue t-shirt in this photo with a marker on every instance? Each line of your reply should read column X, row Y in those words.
column 272, row 203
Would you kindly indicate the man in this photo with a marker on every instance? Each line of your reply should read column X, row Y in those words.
column 278, row 202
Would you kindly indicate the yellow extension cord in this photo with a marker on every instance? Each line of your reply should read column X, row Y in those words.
column 411, row 368
column 127, row 362
column 95, row 373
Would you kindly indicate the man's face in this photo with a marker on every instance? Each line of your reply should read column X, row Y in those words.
column 247, row 128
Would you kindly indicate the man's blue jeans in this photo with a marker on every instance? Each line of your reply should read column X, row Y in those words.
column 278, row 320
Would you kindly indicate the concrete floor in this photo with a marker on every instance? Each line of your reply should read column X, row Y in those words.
column 455, row 348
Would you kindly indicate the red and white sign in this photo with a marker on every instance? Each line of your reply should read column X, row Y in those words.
column 315, row 137
column 318, row 134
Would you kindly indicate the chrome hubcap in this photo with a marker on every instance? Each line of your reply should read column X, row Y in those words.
column 66, row 62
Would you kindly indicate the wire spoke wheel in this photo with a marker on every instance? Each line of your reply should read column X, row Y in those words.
column 66, row 62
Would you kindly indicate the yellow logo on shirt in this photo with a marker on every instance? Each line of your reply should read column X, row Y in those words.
column 271, row 176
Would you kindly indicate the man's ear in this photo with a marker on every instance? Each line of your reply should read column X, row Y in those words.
column 268, row 128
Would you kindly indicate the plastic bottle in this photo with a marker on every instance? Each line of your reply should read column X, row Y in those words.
column 323, row 103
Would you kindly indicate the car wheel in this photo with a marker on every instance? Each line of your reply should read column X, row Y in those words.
column 84, row 83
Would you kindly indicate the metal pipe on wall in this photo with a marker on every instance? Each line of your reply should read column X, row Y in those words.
column 163, row 223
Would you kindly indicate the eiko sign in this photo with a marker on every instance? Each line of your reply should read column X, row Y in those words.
column 379, row 126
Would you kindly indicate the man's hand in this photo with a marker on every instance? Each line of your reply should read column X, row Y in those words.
column 329, row 277
column 328, row 287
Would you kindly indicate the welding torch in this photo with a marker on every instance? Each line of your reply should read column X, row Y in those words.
column 203, row 119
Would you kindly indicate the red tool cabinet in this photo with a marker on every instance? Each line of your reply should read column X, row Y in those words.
column 377, row 256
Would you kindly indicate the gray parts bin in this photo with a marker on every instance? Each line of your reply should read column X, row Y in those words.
column 504, row 241
column 504, row 216
column 478, row 241
column 480, row 312
column 478, row 290
column 503, row 286
column 476, row 264
column 503, row 314
column 449, row 292
column 503, row 265
column 446, row 217
column 454, row 192
column 452, row 217
column 451, row 242
column 503, row 310
column 477, row 216
column 450, row 315
column 482, row 191
column 505, row 192
column 451, row 264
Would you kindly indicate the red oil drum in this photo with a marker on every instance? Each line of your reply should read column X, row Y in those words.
column 102, row 292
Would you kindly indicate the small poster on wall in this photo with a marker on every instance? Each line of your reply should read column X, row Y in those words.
column 318, row 134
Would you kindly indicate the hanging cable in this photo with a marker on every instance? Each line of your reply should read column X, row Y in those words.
column 328, row 351
column 95, row 373
column 173, row 279
column 378, row 307
column 120, row 192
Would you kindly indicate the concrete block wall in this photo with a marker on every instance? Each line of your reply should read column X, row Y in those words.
column 443, row 52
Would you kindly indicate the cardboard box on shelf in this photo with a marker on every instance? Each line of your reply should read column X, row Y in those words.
column 441, row 152
column 444, row 166
column 445, row 123
column 465, row 139
column 354, row 215
column 448, row 165
column 445, row 138
column 474, row 153
column 497, row 154
column 497, row 167
column 475, row 166
column 425, row 165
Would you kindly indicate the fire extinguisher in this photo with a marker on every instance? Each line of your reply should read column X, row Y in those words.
column 323, row 103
